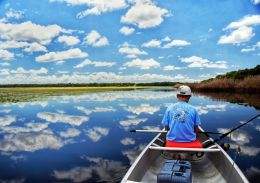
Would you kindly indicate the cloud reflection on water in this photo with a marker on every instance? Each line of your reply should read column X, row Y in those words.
column 96, row 133
column 127, row 141
column 7, row 120
column 151, row 128
column 247, row 150
column 96, row 109
column 132, row 122
column 77, row 174
column 143, row 108
column 118, row 96
column 207, row 108
column 71, row 132
column 73, row 129
column 105, row 170
column 240, row 137
column 252, row 172
column 62, row 118
column 29, row 142
column 132, row 153
column 5, row 111
column 21, row 180
column 30, row 127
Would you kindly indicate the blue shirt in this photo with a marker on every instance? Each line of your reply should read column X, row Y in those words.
column 181, row 118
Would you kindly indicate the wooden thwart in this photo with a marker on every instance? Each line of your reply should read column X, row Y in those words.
column 184, row 149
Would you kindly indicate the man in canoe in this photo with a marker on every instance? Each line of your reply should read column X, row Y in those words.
column 182, row 121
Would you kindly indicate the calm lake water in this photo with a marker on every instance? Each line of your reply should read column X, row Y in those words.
column 85, row 138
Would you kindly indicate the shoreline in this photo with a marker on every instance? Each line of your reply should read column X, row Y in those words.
column 247, row 85
column 28, row 94
column 73, row 88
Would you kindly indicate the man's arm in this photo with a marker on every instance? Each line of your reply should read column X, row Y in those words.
column 196, row 130
column 166, row 128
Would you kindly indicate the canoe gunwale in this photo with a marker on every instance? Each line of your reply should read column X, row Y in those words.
column 234, row 165
column 213, row 152
column 128, row 173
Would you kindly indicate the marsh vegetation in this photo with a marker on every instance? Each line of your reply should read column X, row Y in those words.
column 27, row 94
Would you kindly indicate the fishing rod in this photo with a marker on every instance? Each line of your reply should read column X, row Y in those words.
column 164, row 131
column 230, row 131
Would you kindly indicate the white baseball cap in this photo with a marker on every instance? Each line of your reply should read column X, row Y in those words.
column 184, row 90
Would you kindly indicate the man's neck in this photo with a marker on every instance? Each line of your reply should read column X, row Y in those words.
column 182, row 100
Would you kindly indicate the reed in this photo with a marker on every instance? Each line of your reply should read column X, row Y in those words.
column 249, row 84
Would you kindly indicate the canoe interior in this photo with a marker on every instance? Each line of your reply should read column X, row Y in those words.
column 213, row 167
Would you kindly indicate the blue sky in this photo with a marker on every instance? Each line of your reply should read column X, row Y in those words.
column 85, row 41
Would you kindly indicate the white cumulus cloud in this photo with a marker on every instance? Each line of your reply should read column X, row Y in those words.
column 242, row 30
column 29, row 47
column 35, row 47
column 240, row 35
column 6, row 55
column 251, row 48
column 176, row 43
column 68, row 40
column 95, row 64
column 15, row 14
column 195, row 61
column 152, row 44
column 21, row 70
column 166, row 39
column 28, row 31
column 12, row 44
column 144, row 14
column 143, row 64
column 96, row 7
column 246, row 21
column 95, row 39
column 171, row 68
column 126, row 30
column 62, row 55
column 131, row 52
column 96, row 77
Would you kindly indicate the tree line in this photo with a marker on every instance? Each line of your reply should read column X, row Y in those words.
column 247, row 80
column 238, row 75
column 89, row 85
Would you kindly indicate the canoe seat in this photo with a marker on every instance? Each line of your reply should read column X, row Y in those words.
column 194, row 144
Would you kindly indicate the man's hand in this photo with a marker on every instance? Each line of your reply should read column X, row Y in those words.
column 167, row 128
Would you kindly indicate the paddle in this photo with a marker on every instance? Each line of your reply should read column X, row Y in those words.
column 164, row 131
column 230, row 131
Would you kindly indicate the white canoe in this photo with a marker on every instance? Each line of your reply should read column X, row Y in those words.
column 214, row 167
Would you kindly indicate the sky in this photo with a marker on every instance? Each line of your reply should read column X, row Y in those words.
column 96, row 41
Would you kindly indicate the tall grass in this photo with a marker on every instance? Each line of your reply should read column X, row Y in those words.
column 249, row 84
column 251, row 99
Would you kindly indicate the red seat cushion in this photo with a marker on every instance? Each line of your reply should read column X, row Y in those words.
column 194, row 144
